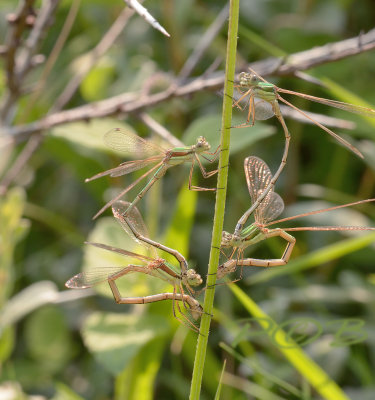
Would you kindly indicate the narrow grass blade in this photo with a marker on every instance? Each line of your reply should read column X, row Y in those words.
column 311, row 371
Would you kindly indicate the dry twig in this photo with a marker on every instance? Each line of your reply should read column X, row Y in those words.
column 20, row 64
column 134, row 102
column 19, row 21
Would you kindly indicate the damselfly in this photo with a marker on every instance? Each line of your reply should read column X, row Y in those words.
column 153, row 155
column 262, row 99
column 258, row 176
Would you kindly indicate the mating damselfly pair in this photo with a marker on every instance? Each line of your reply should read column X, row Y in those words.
column 182, row 279
column 127, row 214
column 262, row 100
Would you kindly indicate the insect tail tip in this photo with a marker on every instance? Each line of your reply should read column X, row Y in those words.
column 69, row 284
column 357, row 152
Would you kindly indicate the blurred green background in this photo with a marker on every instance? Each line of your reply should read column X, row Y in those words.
column 61, row 344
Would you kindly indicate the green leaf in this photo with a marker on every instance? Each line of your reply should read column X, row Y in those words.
column 26, row 301
column 12, row 229
column 11, row 210
column 48, row 338
column 64, row 392
column 115, row 339
column 96, row 84
column 218, row 391
column 137, row 382
column 89, row 134
column 6, row 342
column 260, row 41
column 183, row 216
column 57, row 223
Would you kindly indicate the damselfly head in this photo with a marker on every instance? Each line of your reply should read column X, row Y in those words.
column 226, row 239
column 229, row 240
column 202, row 144
column 247, row 79
column 193, row 278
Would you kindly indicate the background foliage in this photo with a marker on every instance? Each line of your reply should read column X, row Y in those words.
column 66, row 345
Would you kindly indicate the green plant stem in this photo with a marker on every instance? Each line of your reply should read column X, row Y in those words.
column 220, row 202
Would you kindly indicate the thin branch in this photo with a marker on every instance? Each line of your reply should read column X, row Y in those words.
column 204, row 43
column 92, row 58
column 55, row 52
column 35, row 141
column 134, row 102
column 24, row 61
column 322, row 119
column 18, row 165
column 330, row 52
column 143, row 12
column 160, row 130
column 19, row 23
column 44, row 19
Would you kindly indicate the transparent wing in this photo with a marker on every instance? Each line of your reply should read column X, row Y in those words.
column 240, row 98
column 131, row 144
column 258, row 177
column 98, row 275
column 131, row 166
column 271, row 209
column 128, row 254
column 263, row 109
column 101, row 274
column 135, row 219
column 127, row 167
column 156, row 268
column 92, row 277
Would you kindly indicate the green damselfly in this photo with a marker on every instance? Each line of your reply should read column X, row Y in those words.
column 153, row 155
column 149, row 265
column 262, row 99
column 258, row 176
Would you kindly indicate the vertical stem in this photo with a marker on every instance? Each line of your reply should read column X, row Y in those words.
column 220, row 201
